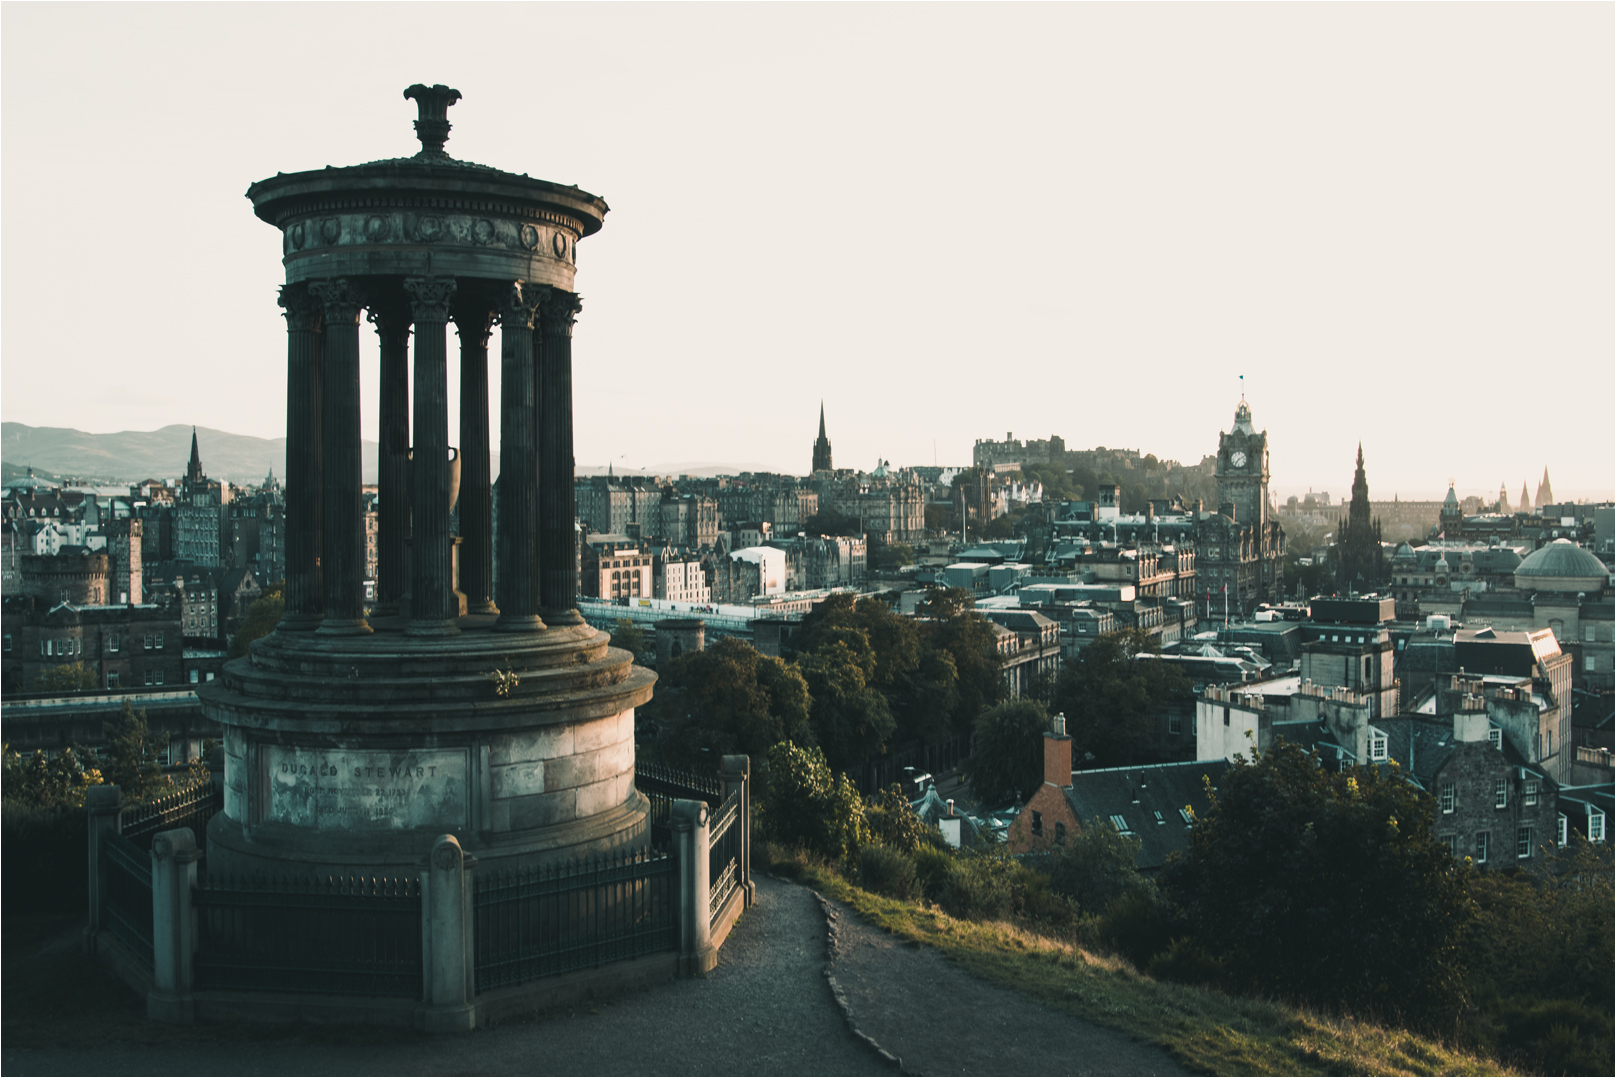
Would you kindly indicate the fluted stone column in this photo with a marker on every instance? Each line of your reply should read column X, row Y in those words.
column 475, row 321
column 558, row 539
column 391, row 316
column 433, row 607
column 342, row 523
column 303, row 487
column 518, row 462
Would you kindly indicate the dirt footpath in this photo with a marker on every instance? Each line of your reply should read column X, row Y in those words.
column 939, row 1020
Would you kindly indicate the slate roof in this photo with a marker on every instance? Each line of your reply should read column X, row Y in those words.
column 1562, row 558
column 1149, row 800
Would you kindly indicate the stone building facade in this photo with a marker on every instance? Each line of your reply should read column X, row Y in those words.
column 125, row 646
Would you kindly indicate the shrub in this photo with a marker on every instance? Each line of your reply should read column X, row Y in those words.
column 980, row 886
column 1095, row 867
column 893, row 821
column 933, row 867
column 804, row 806
column 889, row 872
column 1138, row 926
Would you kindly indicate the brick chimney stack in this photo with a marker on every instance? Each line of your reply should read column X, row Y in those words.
column 1058, row 753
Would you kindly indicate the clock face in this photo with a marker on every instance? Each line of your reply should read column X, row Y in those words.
column 1238, row 459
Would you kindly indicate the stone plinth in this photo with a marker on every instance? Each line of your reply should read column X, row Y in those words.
column 349, row 755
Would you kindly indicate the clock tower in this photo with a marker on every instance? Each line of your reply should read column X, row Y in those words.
column 1242, row 469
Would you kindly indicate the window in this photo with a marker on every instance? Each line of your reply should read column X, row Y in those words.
column 1175, row 725
column 1060, row 833
column 1500, row 793
column 1523, row 842
column 1377, row 745
column 1187, row 816
column 1448, row 797
column 158, row 677
column 158, row 638
column 1529, row 792
column 1120, row 824
column 112, row 679
column 146, row 677
column 1195, row 725
column 1551, row 741
column 1596, row 825
column 1225, row 714
column 1160, row 819
column 1481, row 847
column 194, row 677
column 1452, row 843
column 1560, row 835
column 50, row 647
column 1496, row 736
column 8, row 643
column 1037, row 823
column 112, row 643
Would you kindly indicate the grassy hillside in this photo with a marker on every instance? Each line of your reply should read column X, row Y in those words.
column 1205, row 1030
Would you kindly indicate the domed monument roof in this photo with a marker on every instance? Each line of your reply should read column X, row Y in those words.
column 1561, row 566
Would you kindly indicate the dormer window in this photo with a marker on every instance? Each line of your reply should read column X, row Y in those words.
column 1496, row 736
column 1377, row 745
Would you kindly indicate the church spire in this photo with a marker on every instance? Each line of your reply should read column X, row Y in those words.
column 1526, row 499
column 822, row 444
column 193, row 471
column 1545, row 493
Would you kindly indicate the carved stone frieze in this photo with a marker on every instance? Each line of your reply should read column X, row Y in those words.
column 408, row 228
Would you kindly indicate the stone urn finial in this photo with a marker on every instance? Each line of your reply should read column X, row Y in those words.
column 433, row 126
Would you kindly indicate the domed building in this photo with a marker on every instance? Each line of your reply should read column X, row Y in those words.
column 1562, row 566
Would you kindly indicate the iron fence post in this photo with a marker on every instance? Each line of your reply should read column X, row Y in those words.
column 174, row 855
column 737, row 778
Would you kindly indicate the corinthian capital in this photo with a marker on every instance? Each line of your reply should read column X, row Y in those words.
column 559, row 312
column 342, row 301
column 429, row 297
column 519, row 304
column 302, row 310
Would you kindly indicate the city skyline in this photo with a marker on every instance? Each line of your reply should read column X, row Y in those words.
column 948, row 222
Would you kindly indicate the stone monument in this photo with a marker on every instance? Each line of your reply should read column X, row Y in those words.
column 351, row 740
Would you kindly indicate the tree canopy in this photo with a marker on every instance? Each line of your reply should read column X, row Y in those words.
column 830, row 522
column 68, row 677
column 1314, row 884
column 1007, row 751
column 1112, row 700
column 728, row 699
column 259, row 620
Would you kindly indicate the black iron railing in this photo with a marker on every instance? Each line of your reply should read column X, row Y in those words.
column 127, row 909
column 723, row 852
column 348, row 936
column 662, row 786
column 192, row 807
column 549, row 920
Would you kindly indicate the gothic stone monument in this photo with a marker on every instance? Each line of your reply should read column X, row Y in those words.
column 352, row 741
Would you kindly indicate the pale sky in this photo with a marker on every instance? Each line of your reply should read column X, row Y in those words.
column 947, row 221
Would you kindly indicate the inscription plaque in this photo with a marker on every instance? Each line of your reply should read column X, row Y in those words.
column 360, row 790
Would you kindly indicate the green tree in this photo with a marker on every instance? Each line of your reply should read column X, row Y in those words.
column 1095, row 867
column 890, row 557
column 1112, row 700
column 830, row 522
column 851, row 719
column 1322, row 886
column 259, row 620
column 1007, row 752
column 805, row 805
column 950, row 625
column 630, row 637
column 893, row 822
column 728, row 699
column 40, row 783
column 68, row 677
column 130, row 758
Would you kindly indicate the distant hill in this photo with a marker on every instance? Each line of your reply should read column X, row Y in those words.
column 130, row 456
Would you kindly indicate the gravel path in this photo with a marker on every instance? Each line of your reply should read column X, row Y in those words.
column 771, row 1007
column 937, row 1019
